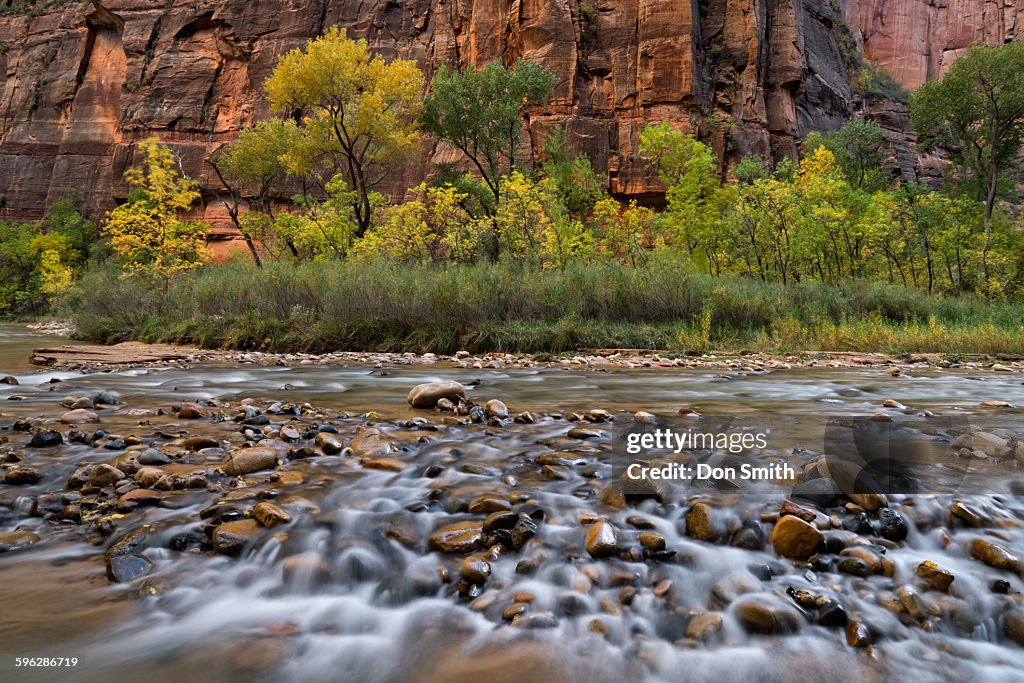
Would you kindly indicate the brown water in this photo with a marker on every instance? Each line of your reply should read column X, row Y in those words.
column 17, row 343
column 379, row 612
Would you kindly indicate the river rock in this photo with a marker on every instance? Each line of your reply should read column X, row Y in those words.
column 230, row 538
column 1013, row 626
column 460, row 537
column 793, row 537
column 137, row 498
column 103, row 475
column 601, row 540
column 122, row 568
column 935, row 575
column 893, row 526
column 383, row 464
column 427, row 395
column 79, row 416
column 248, row 460
column 370, row 443
column 759, row 616
column 46, row 438
column 869, row 501
column 652, row 541
column 198, row 443
column 857, row 634
column 496, row 408
column 992, row 445
column 147, row 476
column 21, row 476
column 152, row 457
column 994, row 555
column 191, row 411
column 329, row 443
column 270, row 514
column 969, row 515
column 10, row 379
column 14, row 540
column 703, row 625
column 475, row 570
column 700, row 523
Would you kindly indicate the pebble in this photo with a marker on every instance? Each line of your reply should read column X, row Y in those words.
column 757, row 617
column 1013, row 626
column 601, row 540
column 270, row 514
column 191, row 411
column 21, row 476
column 46, row 438
column 104, row 475
column 496, row 408
column 329, row 443
column 248, row 460
column 427, row 395
column 994, row 555
column 230, row 538
column 794, row 538
column 137, row 498
column 652, row 541
column 934, row 575
column 475, row 570
column 703, row 624
column 80, row 416
column 14, row 540
column 460, row 537
column 700, row 523
column 893, row 526
column 370, row 443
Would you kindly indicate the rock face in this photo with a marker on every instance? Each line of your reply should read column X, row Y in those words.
column 85, row 82
column 914, row 40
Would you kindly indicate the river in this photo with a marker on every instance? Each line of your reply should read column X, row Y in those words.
column 349, row 589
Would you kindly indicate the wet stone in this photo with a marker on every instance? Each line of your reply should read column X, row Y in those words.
column 700, row 523
column 21, row 476
column 79, row 416
column 103, row 475
column 270, row 514
column 475, row 570
column 893, row 526
column 15, row 540
column 249, row 460
column 46, row 438
column 329, row 443
column 934, row 575
column 428, row 394
column 794, row 538
column 760, row 617
column 994, row 555
column 231, row 538
column 460, row 537
column 601, row 540
column 123, row 568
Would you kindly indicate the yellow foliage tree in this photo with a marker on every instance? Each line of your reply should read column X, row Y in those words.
column 147, row 233
column 360, row 113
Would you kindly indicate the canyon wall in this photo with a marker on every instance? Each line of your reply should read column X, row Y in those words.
column 84, row 82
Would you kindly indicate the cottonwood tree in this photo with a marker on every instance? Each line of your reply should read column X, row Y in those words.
column 480, row 113
column 977, row 111
column 359, row 114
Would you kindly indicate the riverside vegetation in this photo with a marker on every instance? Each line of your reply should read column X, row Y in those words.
column 829, row 252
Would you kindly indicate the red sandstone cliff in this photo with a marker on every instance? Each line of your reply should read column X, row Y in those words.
column 83, row 82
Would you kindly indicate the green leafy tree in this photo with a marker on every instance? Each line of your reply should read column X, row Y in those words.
column 250, row 168
column 977, row 111
column 359, row 114
column 579, row 186
column 480, row 113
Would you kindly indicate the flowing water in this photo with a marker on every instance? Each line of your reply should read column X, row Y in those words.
column 350, row 590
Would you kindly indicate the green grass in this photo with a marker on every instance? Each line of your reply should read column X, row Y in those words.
column 513, row 308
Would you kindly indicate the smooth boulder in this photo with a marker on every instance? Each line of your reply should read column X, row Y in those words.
column 427, row 395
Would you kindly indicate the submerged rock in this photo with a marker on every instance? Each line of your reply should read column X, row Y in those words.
column 794, row 538
column 460, row 537
column 427, row 395
column 248, row 460
column 601, row 541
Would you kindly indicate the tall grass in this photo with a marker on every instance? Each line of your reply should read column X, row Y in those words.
column 515, row 308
